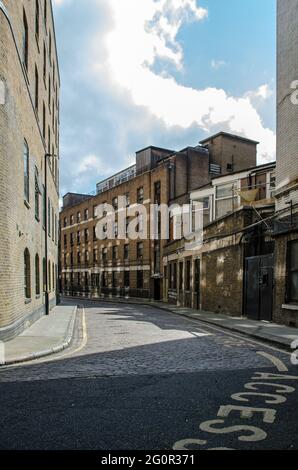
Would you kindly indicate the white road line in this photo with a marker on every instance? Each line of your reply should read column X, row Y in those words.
column 281, row 367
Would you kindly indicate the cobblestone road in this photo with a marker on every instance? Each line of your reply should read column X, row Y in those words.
column 137, row 377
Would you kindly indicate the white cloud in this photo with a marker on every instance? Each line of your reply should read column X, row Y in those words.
column 146, row 30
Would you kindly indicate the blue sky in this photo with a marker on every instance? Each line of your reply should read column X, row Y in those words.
column 160, row 72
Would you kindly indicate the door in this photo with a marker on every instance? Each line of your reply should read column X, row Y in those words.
column 259, row 285
column 157, row 289
column 197, row 289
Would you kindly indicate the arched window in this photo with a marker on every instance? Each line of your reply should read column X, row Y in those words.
column 49, row 277
column 37, row 275
column 44, row 274
column 27, row 274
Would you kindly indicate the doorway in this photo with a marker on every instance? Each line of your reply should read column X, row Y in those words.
column 258, row 289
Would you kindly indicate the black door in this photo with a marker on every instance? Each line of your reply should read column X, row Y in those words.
column 259, row 287
column 197, row 290
column 157, row 289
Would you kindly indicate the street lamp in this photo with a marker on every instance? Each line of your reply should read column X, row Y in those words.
column 47, row 304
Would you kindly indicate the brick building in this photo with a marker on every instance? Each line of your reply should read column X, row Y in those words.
column 29, row 129
column 215, row 275
column 286, row 227
column 126, row 267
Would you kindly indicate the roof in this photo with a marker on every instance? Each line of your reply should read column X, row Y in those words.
column 155, row 148
column 231, row 136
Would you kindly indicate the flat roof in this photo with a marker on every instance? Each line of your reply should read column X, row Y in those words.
column 155, row 148
column 231, row 136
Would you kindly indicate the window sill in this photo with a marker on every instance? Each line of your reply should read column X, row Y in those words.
column 26, row 203
column 290, row 307
column 28, row 301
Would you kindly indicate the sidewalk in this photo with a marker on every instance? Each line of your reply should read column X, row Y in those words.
column 278, row 335
column 49, row 335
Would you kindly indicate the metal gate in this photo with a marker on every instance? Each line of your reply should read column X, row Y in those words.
column 197, row 289
column 259, row 284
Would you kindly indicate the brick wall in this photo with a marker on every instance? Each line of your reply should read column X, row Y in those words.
column 19, row 120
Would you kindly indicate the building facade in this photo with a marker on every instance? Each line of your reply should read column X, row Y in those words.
column 286, row 226
column 134, row 267
column 214, row 275
column 29, row 130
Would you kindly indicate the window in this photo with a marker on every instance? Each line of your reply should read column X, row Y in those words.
column 78, row 217
column 37, row 276
column 44, row 274
column 50, row 48
column 44, row 206
column 86, row 235
column 292, row 281
column 115, row 203
column 27, row 274
column 175, row 276
column 71, row 220
column 104, row 280
column 140, row 280
column 71, row 239
column 37, row 194
column 49, row 217
column 126, row 279
column 54, row 277
column 157, row 188
column 126, row 252
column 95, row 258
column 140, row 195
column 140, row 250
column 78, row 238
column 37, row 19
column 94, row 234
column 71, row 258
column 188, row 275
column 104, row 254
column 50, row 92
column 114, row 279
column 65, row 222
column 79, row 257
column 44, row 62
column 45, row 12
column 50, row 276
column 36, row 94
column 86, row 214
column 25, row 48
column 65, row 240
column 26, row 172
column 127, row 197
column 87, row 257
column 44, row 121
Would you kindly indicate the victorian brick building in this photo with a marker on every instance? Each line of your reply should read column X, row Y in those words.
column 286, row 226
column 125, row 267
column 29, row 129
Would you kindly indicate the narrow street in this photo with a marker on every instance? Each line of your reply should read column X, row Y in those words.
column 137, row 377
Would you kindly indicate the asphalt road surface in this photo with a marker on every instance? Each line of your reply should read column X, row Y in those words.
column 137, row 377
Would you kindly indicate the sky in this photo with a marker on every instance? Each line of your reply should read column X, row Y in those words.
column 160, row 72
